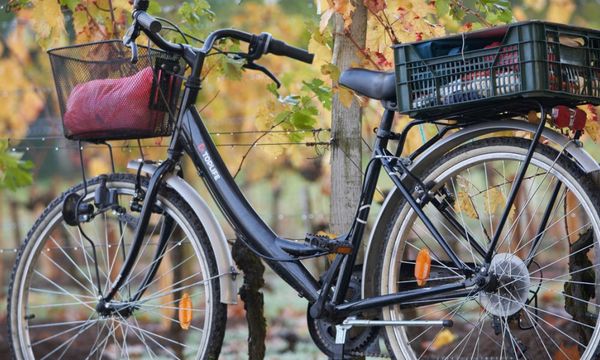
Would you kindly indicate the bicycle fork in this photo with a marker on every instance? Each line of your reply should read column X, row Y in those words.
column 105, row 305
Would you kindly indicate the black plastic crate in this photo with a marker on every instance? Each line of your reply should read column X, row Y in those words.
column 498, row 71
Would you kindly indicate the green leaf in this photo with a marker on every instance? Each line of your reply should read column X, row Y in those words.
column 14, row 172
column 231, row 68
column 457, row 13
column 442, row 7
column 331, row 70
column 272, row 88
column 506, row 16
column 303, row 119
column 71, row 4
column 323, row 93
column 296, row 136
column 154, row 8
column 195, row 12
column 282, row 116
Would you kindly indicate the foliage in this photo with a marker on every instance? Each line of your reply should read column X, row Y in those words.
column 14, row 172
column 486, row 12
column 22, row 102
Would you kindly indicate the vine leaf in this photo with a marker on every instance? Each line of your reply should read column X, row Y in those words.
column 344, row 8
column 445, row 337
column 592, row 126
column 464, row 204
column 14, row 172
column 346, row 96
column 375, row 6
column 48, row 23
column 493, row 199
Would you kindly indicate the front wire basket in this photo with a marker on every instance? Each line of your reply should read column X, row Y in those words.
column 103, row 96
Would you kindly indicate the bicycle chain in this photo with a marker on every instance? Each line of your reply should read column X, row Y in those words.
column 375, row 354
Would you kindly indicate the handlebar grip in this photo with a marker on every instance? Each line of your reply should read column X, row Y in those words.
column 148, row 22
column 278, row 47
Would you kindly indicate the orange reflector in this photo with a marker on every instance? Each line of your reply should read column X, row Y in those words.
column 422, row 267
column 185, row 311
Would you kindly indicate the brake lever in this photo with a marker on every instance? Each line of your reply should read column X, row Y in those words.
column 253, row 66
column 129, row 41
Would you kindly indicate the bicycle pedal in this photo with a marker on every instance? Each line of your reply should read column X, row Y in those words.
column 332, row 245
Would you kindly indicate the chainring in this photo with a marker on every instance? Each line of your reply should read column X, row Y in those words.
column 358, row 339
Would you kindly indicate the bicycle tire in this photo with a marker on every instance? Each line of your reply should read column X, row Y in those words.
column 214, row 312
column 543, row 341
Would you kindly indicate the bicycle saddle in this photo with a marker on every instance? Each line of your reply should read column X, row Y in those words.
column 376, row 85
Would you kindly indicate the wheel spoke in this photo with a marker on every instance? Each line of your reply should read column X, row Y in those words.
column 477, row 174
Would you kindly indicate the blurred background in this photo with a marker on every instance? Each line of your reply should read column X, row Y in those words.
column 284, row 173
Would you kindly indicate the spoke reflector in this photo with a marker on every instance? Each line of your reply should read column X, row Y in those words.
column 422, row 267
column 185, row 311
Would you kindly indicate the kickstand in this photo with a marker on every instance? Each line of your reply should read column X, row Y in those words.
column 340, row 339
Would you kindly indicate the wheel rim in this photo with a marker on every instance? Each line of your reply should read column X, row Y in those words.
column 60, row 284
column 466, row 341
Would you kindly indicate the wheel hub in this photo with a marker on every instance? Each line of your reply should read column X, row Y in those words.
column 509, row 288
column 116, row 309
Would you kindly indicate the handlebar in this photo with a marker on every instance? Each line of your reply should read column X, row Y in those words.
column 151, row 27
column 147, row 21
column 278, row 47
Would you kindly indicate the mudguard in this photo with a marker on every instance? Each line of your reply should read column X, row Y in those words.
column 580, row 156
column 218, row 242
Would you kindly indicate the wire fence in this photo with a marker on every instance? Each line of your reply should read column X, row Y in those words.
column 16, row 144
column 9, row 251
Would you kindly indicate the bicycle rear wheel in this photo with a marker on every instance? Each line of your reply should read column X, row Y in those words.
column 544, row 300
column 54, row 288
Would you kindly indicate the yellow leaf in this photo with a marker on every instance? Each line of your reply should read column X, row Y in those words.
column 346, row 96
column 464, row 204
column 592, row 129
column 536, row 5
column 560, row 11
column 48, row 23
column 98, row 165
column 533, row 117
column 323, row 5
column 322, row 53
column 378, row 198
column 345, row 8
column 445, row 337
column 31, row 105
column 122, row 4
column 493, row 200
column 332, row 71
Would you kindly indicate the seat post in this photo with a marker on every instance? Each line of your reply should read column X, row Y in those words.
column 386, row 123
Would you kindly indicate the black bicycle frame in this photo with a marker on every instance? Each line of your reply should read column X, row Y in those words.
column 191, row 137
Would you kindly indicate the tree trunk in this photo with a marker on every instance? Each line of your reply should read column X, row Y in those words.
column 346, row 175
column 252, row 297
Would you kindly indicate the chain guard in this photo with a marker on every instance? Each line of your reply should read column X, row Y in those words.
column 358, row 339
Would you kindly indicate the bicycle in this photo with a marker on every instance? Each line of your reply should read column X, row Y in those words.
column 486, row 246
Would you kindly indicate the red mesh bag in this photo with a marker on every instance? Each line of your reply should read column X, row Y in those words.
column 103, row 96
column 99, row 108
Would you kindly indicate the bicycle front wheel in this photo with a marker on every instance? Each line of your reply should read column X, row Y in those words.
column 541, row 299
column 62, row 270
